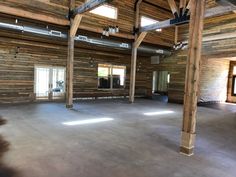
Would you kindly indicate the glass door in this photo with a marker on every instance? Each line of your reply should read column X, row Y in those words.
column 58, row 83
column 42, row 83
column 49, row 83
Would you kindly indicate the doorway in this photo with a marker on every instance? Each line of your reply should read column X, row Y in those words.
column 49, row 83
column 160, row 85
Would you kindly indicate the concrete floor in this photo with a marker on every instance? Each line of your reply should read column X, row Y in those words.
column 131, row 142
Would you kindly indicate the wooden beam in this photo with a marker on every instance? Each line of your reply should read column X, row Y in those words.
column 87, row 6
column 220, row 10
column 140, row 39
column 34, row 16
column 182, row 6
column 70, row 65
column 75, row 25
column 173, row 8
column 192, row 76
column 134, row 55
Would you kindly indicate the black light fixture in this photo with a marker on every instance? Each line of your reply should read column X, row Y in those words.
column 110, row 30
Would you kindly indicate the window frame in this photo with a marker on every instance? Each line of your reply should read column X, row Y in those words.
column 111, row 82
column 103, row 16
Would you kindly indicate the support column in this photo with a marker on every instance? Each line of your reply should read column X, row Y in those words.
column 70, row 65
column 69, row 73
column 192, row 76
column 134, row 54
column 133, row 73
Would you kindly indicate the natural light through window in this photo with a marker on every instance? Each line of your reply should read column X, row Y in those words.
column 87, row 121
column 145, row 21
column 158, row 113
column 106, row 11
column 234, row 70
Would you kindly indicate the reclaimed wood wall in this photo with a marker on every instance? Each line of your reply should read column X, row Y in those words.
column 221, row 26
column 176, row 66
column 230, row 97
column 18, row 58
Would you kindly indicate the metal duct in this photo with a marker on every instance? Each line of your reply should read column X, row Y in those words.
column 90, row 40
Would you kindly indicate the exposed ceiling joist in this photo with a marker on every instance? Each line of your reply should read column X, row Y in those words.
column 173, row 8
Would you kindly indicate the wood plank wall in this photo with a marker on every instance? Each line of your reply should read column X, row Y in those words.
column 221, row 25
column 213, row 77
column 18, row 58
column 176, row 66
column 230, row 97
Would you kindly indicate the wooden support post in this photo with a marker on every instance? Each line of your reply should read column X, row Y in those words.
column 69, row 73
column 197, row 9
column 134, row 56
column 70, row 64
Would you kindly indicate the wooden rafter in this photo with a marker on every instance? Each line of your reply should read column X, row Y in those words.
column 173, row 8
column 182, row 6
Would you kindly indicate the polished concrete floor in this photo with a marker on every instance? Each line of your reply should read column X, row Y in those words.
column 114, row 139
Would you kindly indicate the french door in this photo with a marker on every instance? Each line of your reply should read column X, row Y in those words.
column 49, row 83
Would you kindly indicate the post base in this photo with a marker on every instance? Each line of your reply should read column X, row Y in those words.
column 187, row 143
column 186, row 151
column 69, row 106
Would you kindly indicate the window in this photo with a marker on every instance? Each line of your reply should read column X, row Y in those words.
column 145, row 21
column 106, row 11
column 111, row 76
column 234, row 81
column 234, row 70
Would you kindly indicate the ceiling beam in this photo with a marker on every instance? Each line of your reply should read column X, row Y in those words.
column 34, row 16
column 173, row 8
column 220, row 10
column 182, row 6
column 87, row 6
